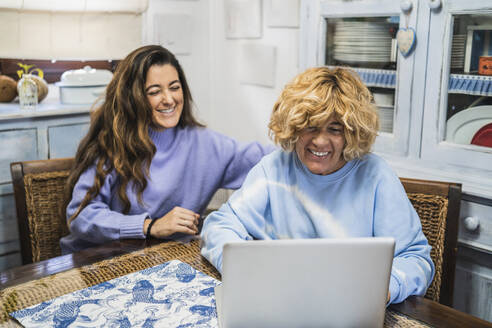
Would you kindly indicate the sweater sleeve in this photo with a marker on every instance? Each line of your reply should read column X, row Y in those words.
column 238, row 159
column 394, row 216
column 241, row 218
column 97, row 222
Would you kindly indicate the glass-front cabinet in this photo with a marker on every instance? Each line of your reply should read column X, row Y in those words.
column 367, row 45
column 363, row 37
column 435, row 101
column 434, row 98
column 458, row 110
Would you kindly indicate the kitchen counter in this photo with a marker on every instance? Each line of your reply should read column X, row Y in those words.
column 48, row 107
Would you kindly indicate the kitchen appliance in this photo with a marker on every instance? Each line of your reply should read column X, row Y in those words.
column 83, row 86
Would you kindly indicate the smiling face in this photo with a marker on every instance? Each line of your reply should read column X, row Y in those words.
column 320, row 148
column 165, row 95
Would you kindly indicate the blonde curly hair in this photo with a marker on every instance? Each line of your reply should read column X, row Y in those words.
column 313, row 96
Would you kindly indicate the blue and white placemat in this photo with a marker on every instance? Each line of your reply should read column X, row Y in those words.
column 172, row 294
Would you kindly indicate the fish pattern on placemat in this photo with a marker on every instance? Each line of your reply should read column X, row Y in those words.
column 172, row 294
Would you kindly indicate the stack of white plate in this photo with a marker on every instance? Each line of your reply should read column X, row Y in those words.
column 384, row 99
column 386, row 114
column 386, row 105
column 356, row 41
column 458, row 51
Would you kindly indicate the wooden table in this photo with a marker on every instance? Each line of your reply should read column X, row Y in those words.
column 33, row 283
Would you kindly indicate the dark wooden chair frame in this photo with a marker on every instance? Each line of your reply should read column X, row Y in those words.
column 18, row 170
column 451, row 191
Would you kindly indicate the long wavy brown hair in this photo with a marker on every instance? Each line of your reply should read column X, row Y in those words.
column 118, row 137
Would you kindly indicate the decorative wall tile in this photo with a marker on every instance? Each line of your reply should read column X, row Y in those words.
column 258, row 62
column 243, row 19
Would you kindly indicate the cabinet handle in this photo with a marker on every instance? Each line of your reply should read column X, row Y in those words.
column 406, row 6
column 471, row 223
column 434, row 5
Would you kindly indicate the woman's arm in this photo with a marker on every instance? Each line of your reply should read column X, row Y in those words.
column 241, row 218
column 237, row 158
column 97, row 222
column 179, row 219
column 394, row 215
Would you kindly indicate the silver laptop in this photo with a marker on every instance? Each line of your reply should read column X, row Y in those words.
column 305, row 283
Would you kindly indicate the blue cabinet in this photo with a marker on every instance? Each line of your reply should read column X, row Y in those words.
column 51, row 131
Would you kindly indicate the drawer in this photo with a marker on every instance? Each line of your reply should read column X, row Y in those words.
column 475, row 225
column 473, row 283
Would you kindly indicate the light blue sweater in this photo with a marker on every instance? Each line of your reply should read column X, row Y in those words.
column 281, row 198
column 190, row 164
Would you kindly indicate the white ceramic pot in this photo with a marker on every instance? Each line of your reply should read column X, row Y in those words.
column 80, row 95
column 83, row 86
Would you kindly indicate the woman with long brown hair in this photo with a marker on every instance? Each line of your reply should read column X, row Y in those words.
column 147, row 167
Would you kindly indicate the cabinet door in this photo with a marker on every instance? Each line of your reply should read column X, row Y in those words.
column 362, row 35
column 16, row 145
column 64, row 139
column 458, row 100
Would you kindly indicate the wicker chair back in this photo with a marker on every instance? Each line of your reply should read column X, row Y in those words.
column 438, row 206
column 38, row 191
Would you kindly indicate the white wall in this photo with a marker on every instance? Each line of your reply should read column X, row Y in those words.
column 214, row 67
column 196, row 64
column 243, row 110
column 70, row 30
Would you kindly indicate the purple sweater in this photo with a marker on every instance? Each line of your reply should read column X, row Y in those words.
column 190, row 164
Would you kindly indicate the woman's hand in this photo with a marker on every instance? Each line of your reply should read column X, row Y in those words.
column 177, row 220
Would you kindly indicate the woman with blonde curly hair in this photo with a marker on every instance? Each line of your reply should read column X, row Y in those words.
column 147, row 167
column 325, row 182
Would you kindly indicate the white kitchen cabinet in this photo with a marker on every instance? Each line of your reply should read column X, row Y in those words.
column 435, row 107
column 452, row 113
column 321, row 19
column 426, row 93
column 51, row 131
